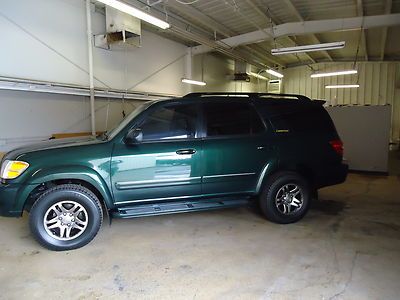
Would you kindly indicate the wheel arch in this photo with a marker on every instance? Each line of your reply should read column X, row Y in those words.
column 270, row 171
column 86, row 177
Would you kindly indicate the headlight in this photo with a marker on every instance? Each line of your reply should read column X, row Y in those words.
column 11, row 169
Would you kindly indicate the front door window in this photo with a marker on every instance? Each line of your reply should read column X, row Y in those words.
column 170, row 122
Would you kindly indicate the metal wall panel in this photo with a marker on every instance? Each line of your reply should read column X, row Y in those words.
column 379, row 85
column 33, row 49
column 62, row 114
column 218, row 72
column 366, row 146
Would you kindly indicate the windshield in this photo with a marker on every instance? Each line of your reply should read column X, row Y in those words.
column 113, row 132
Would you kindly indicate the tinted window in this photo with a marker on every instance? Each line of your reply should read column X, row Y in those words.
column 231, row 119
column 170, row 122
column 305, row 120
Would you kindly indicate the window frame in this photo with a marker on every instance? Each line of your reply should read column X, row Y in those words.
column 142, row 117
column 204, row 136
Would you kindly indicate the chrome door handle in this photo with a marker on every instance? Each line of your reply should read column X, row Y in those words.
column 270, row 147
column 186, row 151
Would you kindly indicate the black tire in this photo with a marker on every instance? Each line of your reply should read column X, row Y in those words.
column 275, row 185
column 90, row 211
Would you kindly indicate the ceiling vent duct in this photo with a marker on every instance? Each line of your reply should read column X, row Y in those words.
column 242, row 70
column 122, row 30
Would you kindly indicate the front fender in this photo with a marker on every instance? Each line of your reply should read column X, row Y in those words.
column 75, row 173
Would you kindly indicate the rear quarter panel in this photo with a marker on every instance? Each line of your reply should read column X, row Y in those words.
column 303, row 132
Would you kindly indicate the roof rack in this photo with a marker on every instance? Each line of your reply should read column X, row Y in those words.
column 249, row 95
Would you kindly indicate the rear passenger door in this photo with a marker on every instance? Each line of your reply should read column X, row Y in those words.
column 235, row 147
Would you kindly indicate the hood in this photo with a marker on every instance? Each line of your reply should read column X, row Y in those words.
column 52, row 144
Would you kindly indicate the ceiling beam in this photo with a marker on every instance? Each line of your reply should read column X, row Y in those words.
column 307, row 27
column 237, row 55
column 263, row 15
column 200, row 17
column 294, row 10
column 388, row 9
column 186, row 30
column 360, row 13
column 210, row 23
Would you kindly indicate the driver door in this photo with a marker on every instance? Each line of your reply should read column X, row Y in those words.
column 166, row 164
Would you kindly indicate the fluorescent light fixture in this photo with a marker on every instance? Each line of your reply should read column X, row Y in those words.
column 136, row 13
column 342, row 86
column 308, row 48
column 275, row 73
column 190, row 81
column 257, row 75
column 336, row 73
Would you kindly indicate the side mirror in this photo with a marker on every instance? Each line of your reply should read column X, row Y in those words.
column 134, row 136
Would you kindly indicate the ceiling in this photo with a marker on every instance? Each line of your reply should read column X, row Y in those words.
column 206, row 21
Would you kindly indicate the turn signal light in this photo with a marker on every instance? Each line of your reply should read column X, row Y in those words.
column 11, row 169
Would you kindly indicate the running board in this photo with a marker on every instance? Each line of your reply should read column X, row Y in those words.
column 144, row 210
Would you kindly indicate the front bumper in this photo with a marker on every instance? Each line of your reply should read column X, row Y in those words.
column 332, row 175
column 8, row 200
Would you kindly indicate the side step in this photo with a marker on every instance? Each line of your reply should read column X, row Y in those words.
column 144, row 210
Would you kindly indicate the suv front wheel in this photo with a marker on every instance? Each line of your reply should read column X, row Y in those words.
column 285, row 198
column 65, row 217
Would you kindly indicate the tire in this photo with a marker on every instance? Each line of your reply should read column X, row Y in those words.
column 280, row 202
column 65, row 217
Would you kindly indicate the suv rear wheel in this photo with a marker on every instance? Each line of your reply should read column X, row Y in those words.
column 285, row 198
column 65, row 217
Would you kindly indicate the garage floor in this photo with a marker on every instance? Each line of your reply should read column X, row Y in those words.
column 348, row 247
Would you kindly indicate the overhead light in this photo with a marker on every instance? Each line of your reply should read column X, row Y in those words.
column 190, row 81
column 257, row 75
column 308, row 48
column 136, row 13
column 336, row 73
column 275, row 73
column 342, row 86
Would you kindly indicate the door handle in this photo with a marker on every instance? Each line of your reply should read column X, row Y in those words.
column 265, row 147
column 186, row 151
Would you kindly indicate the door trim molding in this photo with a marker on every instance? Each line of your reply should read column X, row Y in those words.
column 155, row 199
column 228, row 175
column 127, row 185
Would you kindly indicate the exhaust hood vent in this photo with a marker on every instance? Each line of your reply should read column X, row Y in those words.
column 122, row 30
column 241, row 71
column 241, row 77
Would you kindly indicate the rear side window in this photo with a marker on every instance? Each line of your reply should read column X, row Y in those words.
column 170, row 122
column 226, row 119
column 304, row 120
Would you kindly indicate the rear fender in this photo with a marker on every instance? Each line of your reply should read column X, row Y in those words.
column 266, row 172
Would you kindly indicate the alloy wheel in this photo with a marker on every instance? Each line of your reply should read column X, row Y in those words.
column 289, row 199
column 65, row 220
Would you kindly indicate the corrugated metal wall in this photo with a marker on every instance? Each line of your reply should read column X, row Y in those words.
column 218, row 71
column 379, row 85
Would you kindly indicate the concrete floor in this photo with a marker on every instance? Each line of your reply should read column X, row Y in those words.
column 347, row 247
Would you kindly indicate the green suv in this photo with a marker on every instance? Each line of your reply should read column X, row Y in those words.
column 200, row 152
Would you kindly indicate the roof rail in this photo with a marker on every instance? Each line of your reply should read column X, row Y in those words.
column 250, row 95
